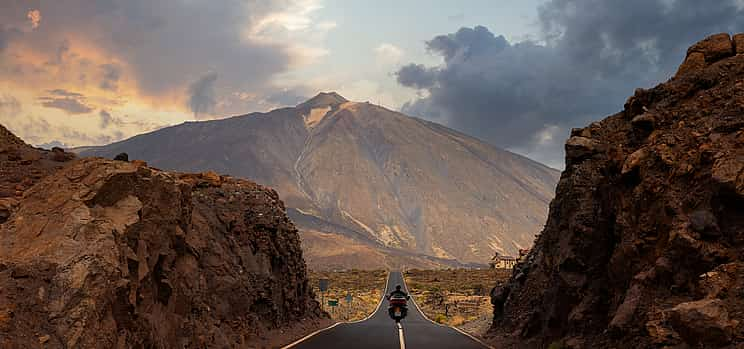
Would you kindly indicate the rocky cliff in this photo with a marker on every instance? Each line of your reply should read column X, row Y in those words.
column 368, row 187
column 644, row 243
column 114, row 254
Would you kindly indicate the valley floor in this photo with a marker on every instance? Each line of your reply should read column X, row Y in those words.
column 365, row 288
column 457, row 297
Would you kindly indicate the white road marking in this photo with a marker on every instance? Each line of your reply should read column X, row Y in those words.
column 401, row 339
column 382, row 297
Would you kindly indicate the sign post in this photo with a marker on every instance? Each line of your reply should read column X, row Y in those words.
column 323, row 286
column 349, row 298
column 333, row 303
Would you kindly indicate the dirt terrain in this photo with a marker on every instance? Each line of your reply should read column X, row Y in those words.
column 644, row 243
column 457, row 297
column 364, row 286
column 98, row 253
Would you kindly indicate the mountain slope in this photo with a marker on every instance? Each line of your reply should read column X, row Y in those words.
column 389, row 183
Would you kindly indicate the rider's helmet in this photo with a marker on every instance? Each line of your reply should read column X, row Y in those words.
column 397, row 287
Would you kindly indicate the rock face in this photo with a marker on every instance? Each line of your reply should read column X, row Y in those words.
column 113, row 254
column 366, row 186
column 644, row 244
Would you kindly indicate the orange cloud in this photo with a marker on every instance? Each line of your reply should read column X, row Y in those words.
column 35, row 17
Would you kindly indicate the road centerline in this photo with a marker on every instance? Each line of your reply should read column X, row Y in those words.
column 401, row 337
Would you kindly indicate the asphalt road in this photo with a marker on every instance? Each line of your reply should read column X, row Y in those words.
column 379, row 331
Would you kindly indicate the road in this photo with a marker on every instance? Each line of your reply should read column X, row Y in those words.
column 379, row 331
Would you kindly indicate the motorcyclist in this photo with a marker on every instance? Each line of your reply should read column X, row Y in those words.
column 398, row 307
column 398, row 292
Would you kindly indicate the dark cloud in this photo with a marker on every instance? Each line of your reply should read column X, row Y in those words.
column 202, row 94
column 417, row 76
column 110, row 76
column 288, row 97
column 70, row 102
column 593, row 54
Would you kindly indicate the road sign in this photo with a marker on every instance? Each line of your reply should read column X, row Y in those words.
column 323, row 284
column 348, row 298
column 333, row 302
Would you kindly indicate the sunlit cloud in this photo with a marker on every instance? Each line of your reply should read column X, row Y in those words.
column 387, row 53
column 34, row 16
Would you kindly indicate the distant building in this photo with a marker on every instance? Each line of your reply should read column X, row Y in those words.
column 502, row 262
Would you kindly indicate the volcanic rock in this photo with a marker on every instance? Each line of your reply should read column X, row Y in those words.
column 644, row 243
column 738, row 40
column 703, row 322
column 113, row 254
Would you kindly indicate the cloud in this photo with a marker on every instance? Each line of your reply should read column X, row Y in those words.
column 417, row 76
column 388, row 53
column 106, row 118
column 111, row 74
column 202, row 94
column 288, row 97
column 9, row 106
column 69, row 102
column 160, row 45
column 590, row 57
column 34, row 16
column 52, row 144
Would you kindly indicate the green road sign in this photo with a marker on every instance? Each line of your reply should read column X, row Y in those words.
column 333, row 302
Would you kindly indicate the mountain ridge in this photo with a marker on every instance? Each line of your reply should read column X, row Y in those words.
column 404, row 182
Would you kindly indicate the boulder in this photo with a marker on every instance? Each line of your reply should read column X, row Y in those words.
column 704, row 322
column 579, row 147
column 695, row 61
column 704, row 222
column 738, row 40
column 644, row 121
column 714, row 47
column 729, row 172
column 634, row 160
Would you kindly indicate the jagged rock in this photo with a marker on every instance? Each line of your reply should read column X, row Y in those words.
column 580, row 147
column 122, row 157
column 703, row 322
column 644, row 121
column 706, row 52
column 113, row 254
column 726, row 280
column 714, row 47
column 738, row 40
column 729, row 172
column 634, row 160
column 643, row 243
column 626, row 310
column 704, row 222
column 139, row 163
column 695, row 61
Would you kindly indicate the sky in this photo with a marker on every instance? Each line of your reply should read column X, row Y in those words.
column 515, row 73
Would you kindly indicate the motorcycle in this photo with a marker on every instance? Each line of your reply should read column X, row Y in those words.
column 398, row 307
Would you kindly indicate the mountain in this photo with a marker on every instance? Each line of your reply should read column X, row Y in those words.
column 98, row 253
column 367, row 187
column 644, row 244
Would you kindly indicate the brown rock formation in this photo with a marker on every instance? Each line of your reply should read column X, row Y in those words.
column 113, row 254
column 644, row 243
